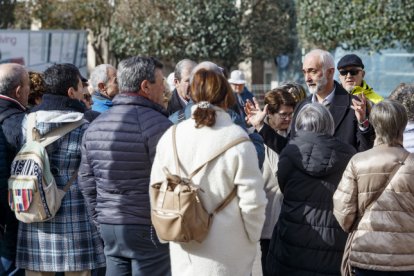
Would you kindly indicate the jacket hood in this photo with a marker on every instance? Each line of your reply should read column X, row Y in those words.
column 317, row 154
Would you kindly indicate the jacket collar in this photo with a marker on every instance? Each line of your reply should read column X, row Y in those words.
column 101, row 96
column 58, row 102
column 11, row 103
column 9, row 107
column 340, row 103
column 135, row 99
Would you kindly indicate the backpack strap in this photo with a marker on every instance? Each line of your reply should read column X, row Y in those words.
column 226, row 201
column 214, row 156
column 32, row 133
column 218, row 153
column 177, row 165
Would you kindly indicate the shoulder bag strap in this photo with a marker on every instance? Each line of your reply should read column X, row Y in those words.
column 390, row 177
column 177, row 165
column 233, row 193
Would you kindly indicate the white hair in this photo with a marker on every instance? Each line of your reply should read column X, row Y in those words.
column 325, row 57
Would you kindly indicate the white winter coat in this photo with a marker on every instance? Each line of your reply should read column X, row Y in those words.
column 231, row 244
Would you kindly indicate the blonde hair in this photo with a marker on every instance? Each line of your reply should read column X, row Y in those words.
column 389, row 119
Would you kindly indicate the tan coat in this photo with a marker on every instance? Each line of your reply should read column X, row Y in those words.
column 384, row 240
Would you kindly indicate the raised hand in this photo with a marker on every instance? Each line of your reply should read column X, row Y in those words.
column 255, row 116
column 360, row 107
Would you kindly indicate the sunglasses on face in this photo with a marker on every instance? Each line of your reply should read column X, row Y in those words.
column 353, row 72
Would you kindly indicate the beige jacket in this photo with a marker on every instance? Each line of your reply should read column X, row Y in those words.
column 384, row 240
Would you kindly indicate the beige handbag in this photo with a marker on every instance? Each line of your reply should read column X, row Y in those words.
column 177, row 211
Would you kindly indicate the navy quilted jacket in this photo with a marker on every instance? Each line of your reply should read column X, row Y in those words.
column 118, row 149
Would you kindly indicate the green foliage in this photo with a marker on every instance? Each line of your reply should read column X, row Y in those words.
column 7, row 17
column 73, row 14
column 174, row 29
column 356, row 24
column 224, row 31
column 270, row 29
column 221, row 30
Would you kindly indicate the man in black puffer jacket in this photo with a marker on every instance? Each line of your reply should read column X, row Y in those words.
column 14, row 93
column 118, row 149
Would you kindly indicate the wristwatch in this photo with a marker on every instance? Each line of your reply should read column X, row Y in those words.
column 364, row 124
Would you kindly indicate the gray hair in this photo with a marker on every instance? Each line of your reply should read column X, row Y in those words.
column 11, row 76
column 207, row 65
column 134, row 70
column 99, row 75
column 185, row 64
column 389, row 119
column 315, row 117
column 325, row 57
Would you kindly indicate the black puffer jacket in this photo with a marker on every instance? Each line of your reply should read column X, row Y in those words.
column 118, row 149
column 11, row 116
column 307, row 239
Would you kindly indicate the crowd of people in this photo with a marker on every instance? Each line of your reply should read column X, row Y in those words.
column 322, row 182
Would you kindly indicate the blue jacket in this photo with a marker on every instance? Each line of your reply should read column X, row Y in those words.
column 241, row 100
column 118, row 149
column 100, row 103
column 254, row 137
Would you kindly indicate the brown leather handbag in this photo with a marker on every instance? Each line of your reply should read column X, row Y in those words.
column 177, row 211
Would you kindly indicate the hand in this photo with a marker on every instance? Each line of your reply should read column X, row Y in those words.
column 360, row 107
column 255, row 116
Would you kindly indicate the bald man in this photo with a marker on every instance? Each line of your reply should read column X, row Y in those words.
column 14, row 94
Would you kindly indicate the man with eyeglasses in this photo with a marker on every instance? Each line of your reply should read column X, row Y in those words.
column 351, row 75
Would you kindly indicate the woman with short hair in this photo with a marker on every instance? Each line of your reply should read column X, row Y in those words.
column 280, row 105
column 307, row 239
column 375, row 199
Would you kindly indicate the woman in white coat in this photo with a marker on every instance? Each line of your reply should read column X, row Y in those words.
column 231, row 244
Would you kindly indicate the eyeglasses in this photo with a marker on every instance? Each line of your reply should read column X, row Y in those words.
column 284, row 116
column 353, row 72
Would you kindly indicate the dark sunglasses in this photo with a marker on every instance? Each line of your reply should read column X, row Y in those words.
column 353, row 72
